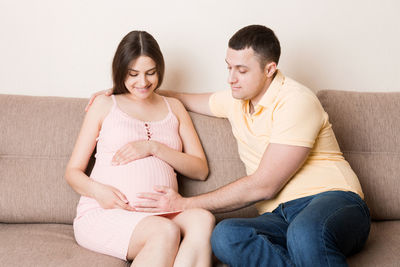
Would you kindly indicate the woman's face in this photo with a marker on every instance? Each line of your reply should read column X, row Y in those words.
column 142, row 78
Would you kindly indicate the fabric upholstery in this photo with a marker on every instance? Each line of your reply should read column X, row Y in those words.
column 367, row 127
column 47, row 245
column 37, row 137
column 382, row 247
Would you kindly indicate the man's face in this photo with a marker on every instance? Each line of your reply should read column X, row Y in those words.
column 246, row 78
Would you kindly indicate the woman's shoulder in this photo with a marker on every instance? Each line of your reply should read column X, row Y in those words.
column 175, row 104
column 101, row 105
column 102, row 101
column 178, row 109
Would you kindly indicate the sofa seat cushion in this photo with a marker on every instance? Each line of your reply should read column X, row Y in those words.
column 47, row 245
column 382, row 247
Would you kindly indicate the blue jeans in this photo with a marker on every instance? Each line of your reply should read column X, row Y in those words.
column 319, row 230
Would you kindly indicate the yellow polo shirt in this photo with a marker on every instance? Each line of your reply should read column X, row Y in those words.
column 290, row 114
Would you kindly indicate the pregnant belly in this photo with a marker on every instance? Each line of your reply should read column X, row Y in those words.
column 137, row 176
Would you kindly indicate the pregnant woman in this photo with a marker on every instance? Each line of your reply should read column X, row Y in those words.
column 142, row 138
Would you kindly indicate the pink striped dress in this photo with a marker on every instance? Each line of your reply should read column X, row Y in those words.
column 108, row 231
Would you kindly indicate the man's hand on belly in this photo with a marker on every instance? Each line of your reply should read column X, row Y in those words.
column 165, row 200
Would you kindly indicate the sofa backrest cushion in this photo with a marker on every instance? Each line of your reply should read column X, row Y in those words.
column 37, row 135
column 367, row 127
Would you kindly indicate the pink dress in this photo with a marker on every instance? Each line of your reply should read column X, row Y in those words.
column 108, row 231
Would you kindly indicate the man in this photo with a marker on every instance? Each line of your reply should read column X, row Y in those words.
column 309, row 199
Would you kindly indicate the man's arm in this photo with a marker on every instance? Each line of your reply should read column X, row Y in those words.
column 193, row 102
column 278, row 164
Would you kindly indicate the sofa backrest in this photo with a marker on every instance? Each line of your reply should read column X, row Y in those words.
column 367, row 127
column 37, row 135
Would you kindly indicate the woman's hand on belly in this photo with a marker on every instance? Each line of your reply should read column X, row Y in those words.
column 110, row 197
column 133, row 151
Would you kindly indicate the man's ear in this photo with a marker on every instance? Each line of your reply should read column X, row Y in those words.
column 270, row 69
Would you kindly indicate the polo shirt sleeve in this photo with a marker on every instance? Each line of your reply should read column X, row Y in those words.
column 297, row 120
column 221, row 103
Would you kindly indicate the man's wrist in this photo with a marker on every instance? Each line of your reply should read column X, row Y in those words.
column 187, row 203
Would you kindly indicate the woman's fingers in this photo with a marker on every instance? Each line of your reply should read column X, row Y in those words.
column 122, row 201
column 122, row 205
column 120, row 195
column 124, row 155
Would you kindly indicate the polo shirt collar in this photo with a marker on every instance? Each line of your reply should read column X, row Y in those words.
column 272, row 90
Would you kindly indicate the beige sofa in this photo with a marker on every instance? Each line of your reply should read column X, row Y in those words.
column 37, row 206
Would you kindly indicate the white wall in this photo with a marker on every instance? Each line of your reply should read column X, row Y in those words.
column 65, row 48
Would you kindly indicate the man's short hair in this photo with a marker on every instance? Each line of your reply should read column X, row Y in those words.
column 261, row 39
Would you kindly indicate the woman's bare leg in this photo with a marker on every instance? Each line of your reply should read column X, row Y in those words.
column 154, row 242
column 196, row 227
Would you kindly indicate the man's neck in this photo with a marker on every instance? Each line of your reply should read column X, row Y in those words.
column 254, row 101
column 251, row 107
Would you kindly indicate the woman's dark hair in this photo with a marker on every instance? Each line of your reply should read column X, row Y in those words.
column 131, row 47
column 261, row 39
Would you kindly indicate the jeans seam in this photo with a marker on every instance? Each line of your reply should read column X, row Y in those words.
column 324, row 230
column 324, row 226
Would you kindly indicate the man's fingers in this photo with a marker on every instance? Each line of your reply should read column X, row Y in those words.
column 145, row 204
column 93, row 96
column 109, row 92
column 90, row 102
column 160, row 189
column 149, row 196
column 153, row 210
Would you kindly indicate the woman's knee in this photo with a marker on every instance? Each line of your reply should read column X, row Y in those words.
column 201, row 217
column 154, row 233
column 196, row 221
column 166, row 229
column 158, row 229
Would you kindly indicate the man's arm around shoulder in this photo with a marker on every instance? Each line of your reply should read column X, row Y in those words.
column 198, row 103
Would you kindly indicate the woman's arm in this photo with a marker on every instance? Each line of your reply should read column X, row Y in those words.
column 192, row 161
column 107, row 196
